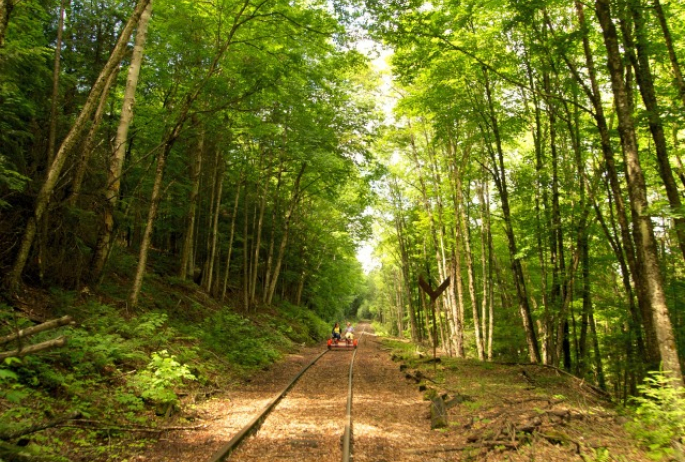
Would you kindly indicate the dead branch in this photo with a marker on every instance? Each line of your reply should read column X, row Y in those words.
column 38, row 427
column 54, row 343
column 36, row 329
column 96, row 425
column 603, row 394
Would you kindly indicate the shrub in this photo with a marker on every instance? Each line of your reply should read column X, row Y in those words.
column 660, row 416
column 157, row 382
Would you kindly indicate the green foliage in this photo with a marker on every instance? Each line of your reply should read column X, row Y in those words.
column 157, row 382
column 242, row 342
column 660, row 415
column 10, row 179
column 10, row 388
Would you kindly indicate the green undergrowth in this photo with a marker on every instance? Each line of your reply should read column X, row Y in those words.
column 491, row 395
column 123, row 369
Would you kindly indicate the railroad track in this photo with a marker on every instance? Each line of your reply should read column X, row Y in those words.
column 324, row 370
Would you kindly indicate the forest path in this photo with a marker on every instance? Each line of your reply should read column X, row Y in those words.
column 496, row 413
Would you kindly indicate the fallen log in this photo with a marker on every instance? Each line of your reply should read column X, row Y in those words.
column 54, row 343
column 63, row 321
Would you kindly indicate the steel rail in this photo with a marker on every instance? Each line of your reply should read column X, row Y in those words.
column 225, row 451
column 347, row 437
column 222, row 453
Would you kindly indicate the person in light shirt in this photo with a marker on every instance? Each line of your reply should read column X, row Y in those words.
column 349, row 331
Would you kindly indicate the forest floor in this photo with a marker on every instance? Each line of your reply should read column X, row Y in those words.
column 494, row 412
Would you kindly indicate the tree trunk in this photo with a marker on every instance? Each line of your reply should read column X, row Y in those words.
column 266, row 182
column 645, row 80
column 230, row 239
column 152, row 214
column 272, row 241
column 517, row 269
column 621, row 212
column 116, row 163
column 187, row 262
column 294, row 199
column 55, row 169
column 89, row 144
column 645, row 243
column 463, row 223
column 214, row 232
column 52, row 135
column 675, row 65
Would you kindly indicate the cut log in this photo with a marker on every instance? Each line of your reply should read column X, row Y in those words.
column 54, row 343
column 438, row 413
column 35, row 329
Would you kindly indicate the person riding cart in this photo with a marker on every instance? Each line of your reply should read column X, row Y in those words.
column 336, row 332
column 349, row 332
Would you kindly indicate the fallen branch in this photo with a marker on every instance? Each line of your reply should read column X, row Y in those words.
column 96, row 425
column 459, row 447
column 54, row 343
column 603, row 394
column 38, row 427
column 36, row 329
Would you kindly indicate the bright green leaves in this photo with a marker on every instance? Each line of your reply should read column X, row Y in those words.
column 158, row 381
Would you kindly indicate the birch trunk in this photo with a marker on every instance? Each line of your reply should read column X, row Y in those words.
column 462, row 222
column 55, row 169
column 116, row 163
column 645, row 244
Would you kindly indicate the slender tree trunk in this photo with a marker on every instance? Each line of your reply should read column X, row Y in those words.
column 404, row 263
column 294, row 199
column 675, row 65
column 272, row 241
column 637, row 191
column 152, row 214
column 621, row 212
column 487, row 250
column 116, row 163
column 52, row 136
column 463, row 223
column 230, row 239
column 189, row 235
column 266, row 182
column 597, row 354
column 55, row 169
column 517, row 269
column 214, row 232
column 246, row 251
column 645, row 80
column 89, row 144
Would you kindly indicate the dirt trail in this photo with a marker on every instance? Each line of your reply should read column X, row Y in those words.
column 512, row 413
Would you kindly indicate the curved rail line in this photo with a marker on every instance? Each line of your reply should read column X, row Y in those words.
column 225, row 451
